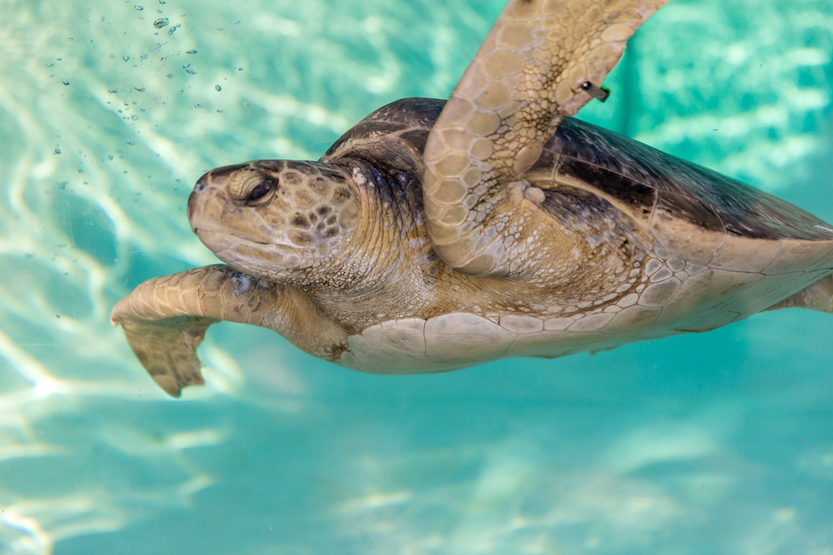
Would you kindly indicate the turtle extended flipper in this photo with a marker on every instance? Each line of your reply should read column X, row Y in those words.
column 542, row 60
column 164, row 319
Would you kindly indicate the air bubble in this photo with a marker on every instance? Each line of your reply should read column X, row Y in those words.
column 218, row 88
column 130, row 142
column 161, row 22
column 139, row 8
column 125, row 57
column 191, row 71
column 190, row 51
column 171, row 30
column 134, row 118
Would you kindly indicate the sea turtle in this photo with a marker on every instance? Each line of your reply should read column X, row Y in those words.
column 438, row 235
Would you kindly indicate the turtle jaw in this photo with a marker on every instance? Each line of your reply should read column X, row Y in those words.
column 265, row 260
column 218, row 240
column 236, row 234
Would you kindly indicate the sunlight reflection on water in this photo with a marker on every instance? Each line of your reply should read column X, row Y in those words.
column 719, row 443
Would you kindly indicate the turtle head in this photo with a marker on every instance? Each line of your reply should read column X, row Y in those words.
column 274, row 219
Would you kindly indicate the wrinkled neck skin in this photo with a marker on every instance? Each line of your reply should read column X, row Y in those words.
column 580, row 257
column 348, row 235
column 388, row 268
column 384, row 269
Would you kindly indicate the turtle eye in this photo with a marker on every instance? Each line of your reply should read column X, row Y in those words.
column 259, row 190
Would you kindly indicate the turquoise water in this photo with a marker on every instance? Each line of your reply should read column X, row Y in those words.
column 712, row 443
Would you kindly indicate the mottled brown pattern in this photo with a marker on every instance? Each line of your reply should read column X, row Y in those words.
column 434, row 236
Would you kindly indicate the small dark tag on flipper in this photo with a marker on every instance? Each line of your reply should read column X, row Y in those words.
column 599, row 93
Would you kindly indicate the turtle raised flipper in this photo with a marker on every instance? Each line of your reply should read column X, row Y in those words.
column 165, row 319
column 542, row 60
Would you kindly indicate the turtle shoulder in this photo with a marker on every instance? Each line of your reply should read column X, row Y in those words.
column 393, row 136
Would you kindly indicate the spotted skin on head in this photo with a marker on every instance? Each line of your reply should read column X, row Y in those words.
column 275, row 219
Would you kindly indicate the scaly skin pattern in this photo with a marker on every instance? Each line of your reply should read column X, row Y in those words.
column 528, row 74
column 519, row 232
column 381, row 267
column 371, row 294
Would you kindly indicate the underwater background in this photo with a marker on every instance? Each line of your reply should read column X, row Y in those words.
column 716, row 443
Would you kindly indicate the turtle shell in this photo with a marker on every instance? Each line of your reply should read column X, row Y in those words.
column 391, row 137
column 697, row 214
